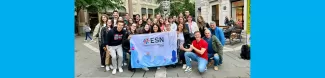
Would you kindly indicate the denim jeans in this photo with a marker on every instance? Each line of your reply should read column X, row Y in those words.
column 124, row 56
column 88, row 35
column 215, row 59
column 202, row 63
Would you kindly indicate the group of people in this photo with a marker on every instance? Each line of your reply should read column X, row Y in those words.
column 197, row 41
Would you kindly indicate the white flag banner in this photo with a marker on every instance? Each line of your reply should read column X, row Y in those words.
column 155, row 49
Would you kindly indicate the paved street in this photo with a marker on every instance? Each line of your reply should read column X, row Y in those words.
column 87, row 65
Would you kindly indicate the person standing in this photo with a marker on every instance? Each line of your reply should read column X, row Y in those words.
column 214, row 48
column 217, row 32
column 104, row 32
column 158, row 16
column 130, row 22
column 191, row 26
column 140, row 24
column 175, row 19
column 144, row 20
column 126, row 45
column 126, row 19
column 162, row 24
column 187, row 14
column 167, row 26
column 173, row 23
column 182, row 39
column 115, row 19
column 227, row 22
column 87, row 30
column 114, row 42
column 149, row 22
column 202, row 25
column 96, row 35
column 137, row 18
column 200, row 54
column 156, row 29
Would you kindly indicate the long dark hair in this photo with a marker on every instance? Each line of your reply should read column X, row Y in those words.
column 144, row 30
column 130, row 30
column 153, row 27
column 201, row 24
column 110, row 26
column 161, row 23
column 101, row 22
column 184, row 28
column 179, row 21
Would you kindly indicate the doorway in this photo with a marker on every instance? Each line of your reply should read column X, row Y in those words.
column 93, row 20
column 215, row 14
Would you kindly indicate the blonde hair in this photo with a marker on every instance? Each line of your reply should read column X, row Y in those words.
column 200, row 24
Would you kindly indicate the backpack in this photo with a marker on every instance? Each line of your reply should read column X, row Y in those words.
column 245, row 52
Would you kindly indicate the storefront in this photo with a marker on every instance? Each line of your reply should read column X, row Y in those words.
column 237, row 11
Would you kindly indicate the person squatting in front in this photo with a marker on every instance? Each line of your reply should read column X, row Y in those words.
column 214, row 48
column 199, row 55
column 114, row 44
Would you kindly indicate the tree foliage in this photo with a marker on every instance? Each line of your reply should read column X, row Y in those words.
column 97, row 4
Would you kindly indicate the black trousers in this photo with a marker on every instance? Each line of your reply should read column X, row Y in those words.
column 102, row 53
column 181, row 56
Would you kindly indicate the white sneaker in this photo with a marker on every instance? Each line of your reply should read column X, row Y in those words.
column 145, row 69
column 184, row 66
column 124, row 64
column 107, row 68
column 188, row 69
column 120, row 69
column 114, row 71
column 102, row 66
column 158, row 68
column 111, row 66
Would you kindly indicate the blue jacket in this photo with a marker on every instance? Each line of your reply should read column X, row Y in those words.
column 220, row 35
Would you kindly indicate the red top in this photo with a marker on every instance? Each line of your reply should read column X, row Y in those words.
column 201, row 44
column 162, row 28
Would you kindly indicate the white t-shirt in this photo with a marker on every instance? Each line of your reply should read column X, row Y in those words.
column 181, row 38
column 173, row 27
column 115, row 23
column 192, row 27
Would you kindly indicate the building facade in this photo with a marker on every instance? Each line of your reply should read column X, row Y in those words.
column 217, row 10
column 144, row 7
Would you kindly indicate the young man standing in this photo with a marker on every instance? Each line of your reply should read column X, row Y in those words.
column 126, row 18
column 214, row 48
column 158, row 16
column 187, row 13
column 115, row 15
column 114, row 44
column 200, row 53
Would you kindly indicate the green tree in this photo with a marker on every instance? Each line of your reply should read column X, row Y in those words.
column 96, row 5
